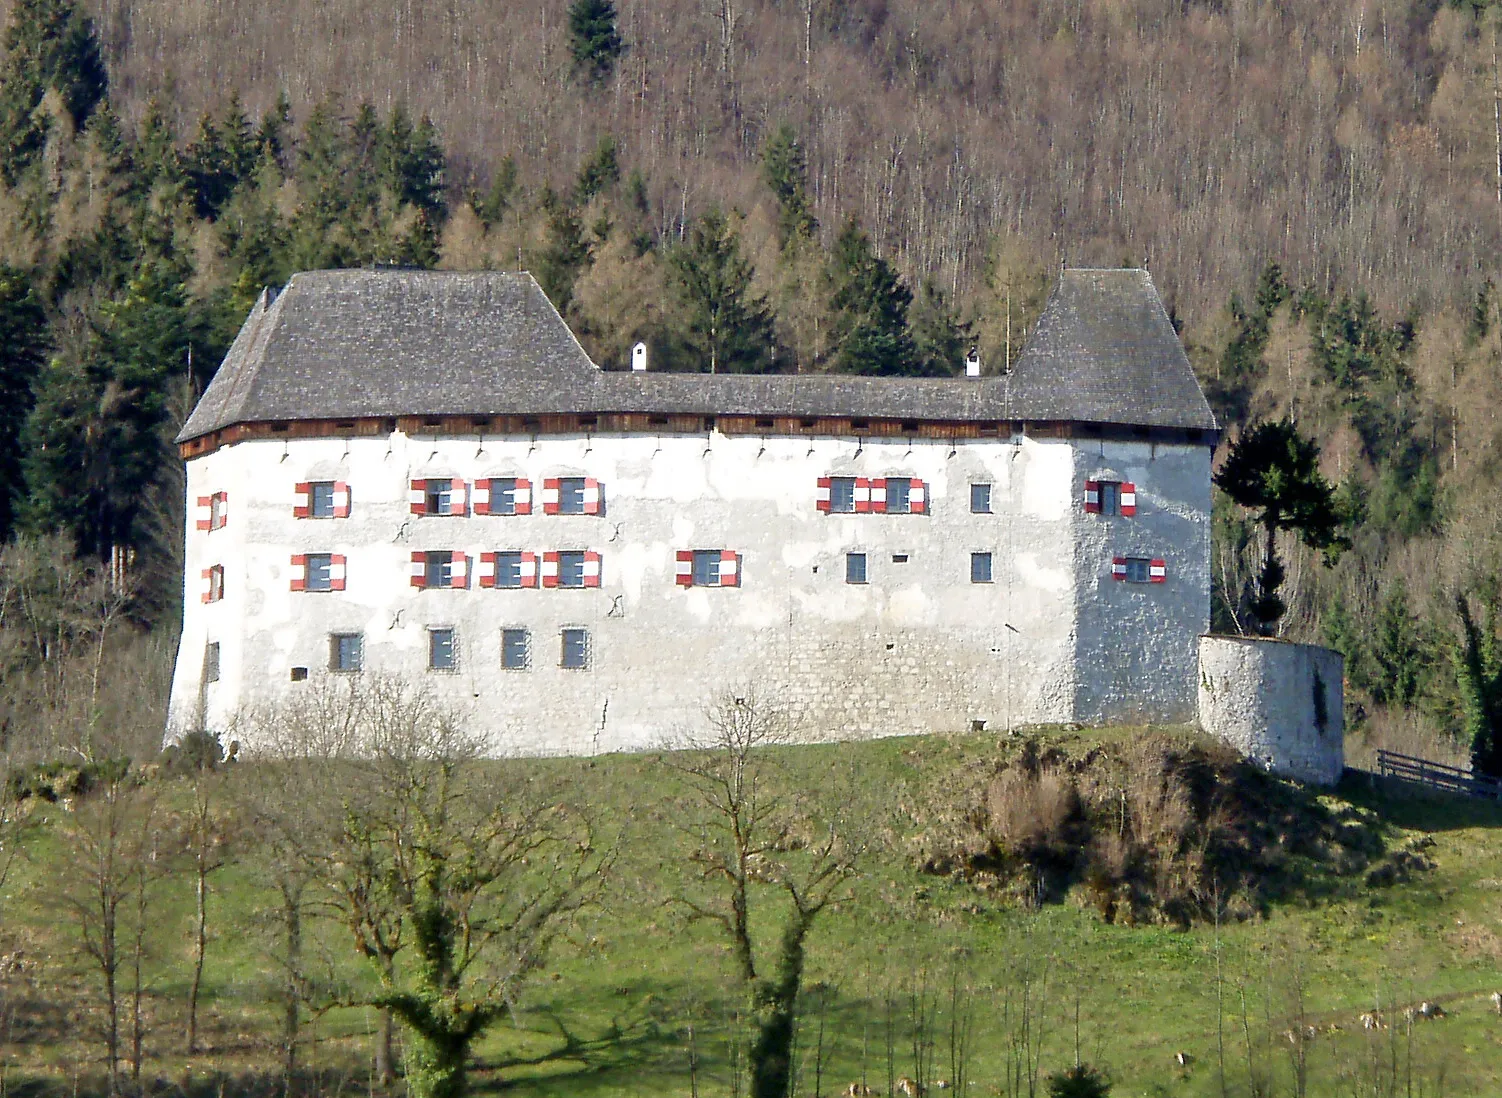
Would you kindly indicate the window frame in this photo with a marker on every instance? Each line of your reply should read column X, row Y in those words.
column 505, row 556
column 438, row 496
column 906, row 493
column 218, row 510
column 337, row 663
column 212, row 657
column 865, row 568
column 316, row 489
column 985, row 486
column 503, row 500
column 837, row 485
column 567, row 496
column 977, row 558
column 1109, row 489
column 567, row 558
column 453, row 648
column 586, row 656
column 508, row 633
column 1138, row 569
column 434, row 565
column 711, row 559
column 312, row 567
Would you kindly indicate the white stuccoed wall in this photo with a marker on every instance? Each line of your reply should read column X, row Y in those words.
column 1279, row 704
column 917, row 649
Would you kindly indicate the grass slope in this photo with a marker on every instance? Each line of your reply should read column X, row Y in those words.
column 911, row 966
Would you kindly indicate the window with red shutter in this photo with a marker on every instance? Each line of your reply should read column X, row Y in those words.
column 480, row 497
column 419, row 570
column 917, row 497
column 523, row 496
column 550, row 497
column 730, row 568
column 1119, row 568
column 822, row 494
column 205, row 513
column 418, row 497
column 1128, row 499
column 530, row 570
column 299, row 572
column 302, row 500
column 341, row 499
column 878, row 496
column 685, row 574
column 485, row 570
column 1157, row 571
column 593, row 566
column 458, row 570
column 338, row 570
column 862, row 496
column 1092, row 497
column 549, row 567
column 594, row 497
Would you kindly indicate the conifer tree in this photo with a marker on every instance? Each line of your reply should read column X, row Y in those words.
column 594, row 40
column 729, row 329
column 23, row 338
column 492, row 208
column 599, row 173
column 869, row 304
column 786, row 173
column 49, row 45
column 564, row 255
column 940, row 337
column 1478, row 671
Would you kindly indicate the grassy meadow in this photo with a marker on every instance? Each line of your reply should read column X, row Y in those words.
column 915, row 974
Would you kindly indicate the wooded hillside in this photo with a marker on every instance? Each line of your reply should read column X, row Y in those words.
column 854, row 185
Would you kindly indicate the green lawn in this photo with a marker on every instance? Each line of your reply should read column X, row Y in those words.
column 922, row 972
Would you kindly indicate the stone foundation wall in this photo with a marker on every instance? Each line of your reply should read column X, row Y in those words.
column 1279, row 704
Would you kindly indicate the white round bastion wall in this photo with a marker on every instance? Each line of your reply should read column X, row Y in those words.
column 1279, row 704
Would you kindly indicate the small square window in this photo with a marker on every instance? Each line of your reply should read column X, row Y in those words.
column 571, row 569
column 211, row 662
column 842, row 495
column 575, row 652
column 439, row 569
column 321, row 499
column 1110, row 497
column 980, row 567
column 980, row 499
column 299, row 674
column 508, row 569
column 503, row 496
column 443, row 654
column 516, row 650
column 707, row 567
column 1138, row 569
column 320, row 572
column 571, row 496
column 899, row 495
column 855, row 567
column 346, row 652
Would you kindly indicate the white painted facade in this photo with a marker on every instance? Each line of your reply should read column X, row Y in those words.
column 918, row 648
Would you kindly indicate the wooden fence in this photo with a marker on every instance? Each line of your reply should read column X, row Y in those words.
column 1436, row 775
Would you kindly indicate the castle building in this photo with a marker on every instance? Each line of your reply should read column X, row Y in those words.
column 423, row 474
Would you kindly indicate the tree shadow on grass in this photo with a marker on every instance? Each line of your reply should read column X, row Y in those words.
column 1415, row 807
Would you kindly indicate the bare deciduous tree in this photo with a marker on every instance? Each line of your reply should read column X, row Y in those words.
column 765, row 865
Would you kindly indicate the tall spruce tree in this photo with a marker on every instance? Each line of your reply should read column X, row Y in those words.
column 786, row 173
column 1478, row 673
column 565, row 254
column 728, row 328
column 97, row 437
column 23, row 342
column 940, row 337
column 594, row 40
column 869, row 305
column 49, row 46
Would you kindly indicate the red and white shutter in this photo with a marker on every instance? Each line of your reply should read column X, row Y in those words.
column 418, row 499
column 338, row 571
column 485, row 570
column 205, row 511
column 458, row 570
column 1157, row 571
column 208, row 583
column 302, row 500
column 863, row 496
column 821, row 498
column 419, row 569
column 529, row 570
column 550, row 496
column 592, row 568
column 730, row 568
column 480, row 498
column 594, row 497
column 1118, row 568
column 1129, row 500
column 341, row 499
column 550, row 566
column 878, row 495
column 1092, row 497
column 523, row 496
column 685, row 568
column 458, row 497
column 918, row 497
column 299, row 572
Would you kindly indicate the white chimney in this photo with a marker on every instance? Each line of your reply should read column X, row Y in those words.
column 639, row 357
column 972, row 362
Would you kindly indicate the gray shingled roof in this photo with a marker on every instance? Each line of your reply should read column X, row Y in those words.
column 360, row 343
